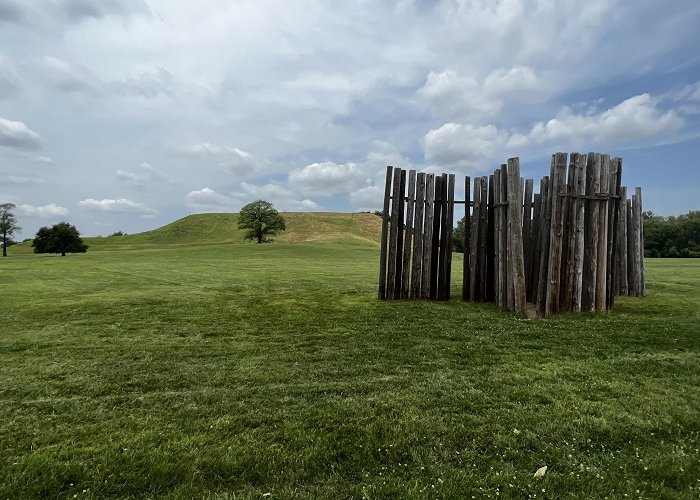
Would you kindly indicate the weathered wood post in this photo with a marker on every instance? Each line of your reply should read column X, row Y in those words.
column 385, row 233
column 466, row 264
column 579, row 231
column 418, row 237
column 590, row 262
column 428, row 234
column 516, row 230
column 408, row 235
column 556, row 230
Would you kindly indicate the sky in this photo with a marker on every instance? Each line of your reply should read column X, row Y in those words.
column 124, row 115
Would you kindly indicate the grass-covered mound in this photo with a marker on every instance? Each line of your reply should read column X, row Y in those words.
column 205, row 229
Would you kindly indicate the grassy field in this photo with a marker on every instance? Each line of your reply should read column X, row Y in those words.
column 243, row 371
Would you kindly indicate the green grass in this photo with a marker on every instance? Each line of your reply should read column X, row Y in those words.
column 233, row 371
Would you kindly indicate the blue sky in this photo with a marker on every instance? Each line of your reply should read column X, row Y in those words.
column 128, row 114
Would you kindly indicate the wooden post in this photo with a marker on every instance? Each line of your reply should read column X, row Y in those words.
column 408, row 237
column 516, row 230
column 568, row 238
column 602, row 268
column 435, row 256
column 450, row 230
column 640, row 220
column 490, row 272
column 466, row 264
column 613, row 229
column 393, row 234
column 399, row 242
column 543, row 245
column 483, row 236
column 590, row 260
column 528, row 251
column 498, row 242
column 385, row 234
column 579, row 231
column 428, row 234
column 418, row 237
column 555, row 239
column 506, row 236
column 632, row 255
column 534, row 244
column 622, row 243
column 474, row 250
column 442, row 257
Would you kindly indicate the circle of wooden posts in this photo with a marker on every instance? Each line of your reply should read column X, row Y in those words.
column 574, row 246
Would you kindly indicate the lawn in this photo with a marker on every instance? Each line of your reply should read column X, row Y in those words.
column 245, row 371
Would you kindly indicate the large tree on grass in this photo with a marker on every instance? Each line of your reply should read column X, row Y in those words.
column 8, row 225
column 261, row 220
column 62, row 238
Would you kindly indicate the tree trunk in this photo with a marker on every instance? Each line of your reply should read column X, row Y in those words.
column 4, row 243
column 63, row 254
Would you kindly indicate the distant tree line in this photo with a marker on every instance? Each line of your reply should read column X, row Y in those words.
column 663, row 236
column 672, row 236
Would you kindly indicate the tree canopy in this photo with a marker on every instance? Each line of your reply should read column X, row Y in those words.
column 61, row 238
column 672, row 236
column 8, row 225
column 261, row 220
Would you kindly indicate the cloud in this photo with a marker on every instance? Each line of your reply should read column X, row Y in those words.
column 11, row 12
column 19, row 180
column 232, row 160
column 149, row 84
column 66, row 77
column 282, row 197
column 635, row 119
column 328, row 178
column 367, row 198
column 76, row 11
column 146, row 175
column 208, row 200
column 629, row 123
column 514, row 83
column 9, row 76
column 16, row 135
column 45, row 211
column 121, row 205
column 463, row 145
column 452, row 94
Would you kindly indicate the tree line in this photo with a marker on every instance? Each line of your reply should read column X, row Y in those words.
column 675, row 236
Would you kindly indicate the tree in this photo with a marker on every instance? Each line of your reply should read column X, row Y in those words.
column 62, row 238
column 261, row 220
column 8, row 225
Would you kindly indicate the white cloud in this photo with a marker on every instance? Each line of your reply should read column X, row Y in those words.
column 463, row 145
column 452, row 94
column 67, row 77
column 514, row 83
column 19, row 180
column 207, row 200
column 474, row 148
column 45, row 211
column 635, row 119
column 367, row 198
column 16, row 135
column 328, row 178
column 232, row 160
column 147, row 175
column 280, row 196
column 121, row 205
